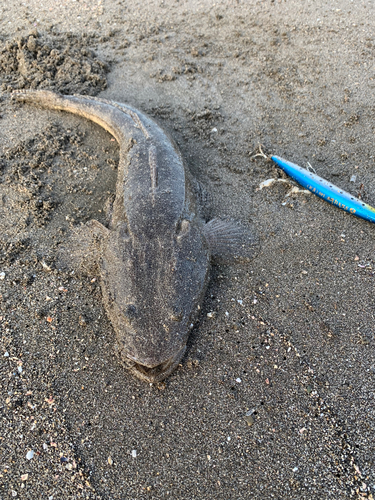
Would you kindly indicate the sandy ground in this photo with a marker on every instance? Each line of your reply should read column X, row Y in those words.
column 275, row 397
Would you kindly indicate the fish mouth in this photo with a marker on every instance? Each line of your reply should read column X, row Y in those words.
column 157, row 373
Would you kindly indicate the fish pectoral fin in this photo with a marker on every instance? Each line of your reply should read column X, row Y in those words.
column 229, row 240
column 97, row 229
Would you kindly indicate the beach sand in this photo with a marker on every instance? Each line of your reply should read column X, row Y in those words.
column 275, row 396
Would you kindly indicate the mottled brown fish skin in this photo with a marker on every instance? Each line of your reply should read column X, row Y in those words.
column 154, row 257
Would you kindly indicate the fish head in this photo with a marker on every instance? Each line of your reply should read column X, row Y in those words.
column 152, row 287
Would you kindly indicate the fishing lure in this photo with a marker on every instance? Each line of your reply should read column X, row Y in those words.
column 326, row 190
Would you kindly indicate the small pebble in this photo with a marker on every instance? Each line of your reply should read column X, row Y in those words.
column 353, row 178
column 14, row 493
column 2, row 275
column 134, row 453
column 210, row 315
column 249, row 419
column 19, row 369
column 30, row 455
column 110, row 461
column 82, row 321
column 46, row 266
column 24, row 477
column 238, row 380
column 6, row 354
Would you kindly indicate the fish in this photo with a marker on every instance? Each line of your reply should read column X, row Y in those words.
column 156, row 251
column 326, row 190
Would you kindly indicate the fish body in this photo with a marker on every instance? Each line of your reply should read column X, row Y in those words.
column 326, row 190
column 155, row 254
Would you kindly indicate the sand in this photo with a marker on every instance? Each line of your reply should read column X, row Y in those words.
column 275, row 396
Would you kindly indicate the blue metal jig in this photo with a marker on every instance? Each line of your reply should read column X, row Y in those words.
column 326, row 190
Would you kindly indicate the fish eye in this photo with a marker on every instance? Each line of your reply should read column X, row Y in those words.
column 183, row 228
column 131, row 312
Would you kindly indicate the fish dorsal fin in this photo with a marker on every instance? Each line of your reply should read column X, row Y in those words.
column 229, row 240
